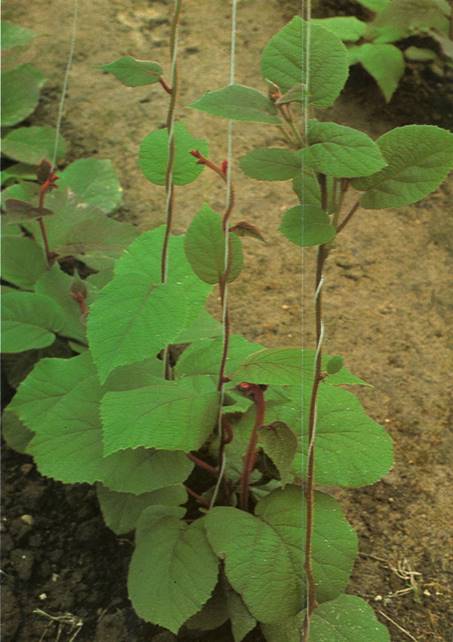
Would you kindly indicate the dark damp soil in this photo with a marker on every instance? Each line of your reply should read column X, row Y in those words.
column 388, row 309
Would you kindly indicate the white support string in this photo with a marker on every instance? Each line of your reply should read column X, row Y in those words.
column 66, row 80
column 226, row 258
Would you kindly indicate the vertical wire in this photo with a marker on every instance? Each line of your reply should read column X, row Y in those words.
column 66, row 81
column 226, row 259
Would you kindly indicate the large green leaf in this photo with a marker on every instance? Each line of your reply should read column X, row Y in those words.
column 205, row 248
column 15, row 36
column 20, row 93
column 134, row 73
column 418, row 158
column 280, row 444
column 121, row 511
column 171, row 415
column 284, row 61
column 263, row 553
column 402, row 18
column 33, row 144
column 341, row 151
column 271, row 164
column 307, row 225
column 23, row 261
column 346, row 619
column 152, row 315
column 59, row 401
column 153, row 156
column 93, row 181
column 307, row 187
column 203, row 357
column 346, row 28
column 277, row 366
column 29, row 321
column 173, row 570
column 238, row 102
column 16, row 435
column 56, row 284
column 384, row 62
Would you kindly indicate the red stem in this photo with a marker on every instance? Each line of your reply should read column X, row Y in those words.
column 42, row 195
column 167, row 87
column 250, row 457
column 203, row 464
column 201, row 500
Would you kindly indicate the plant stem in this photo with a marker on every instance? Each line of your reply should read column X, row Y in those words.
column 201, row 500
column 348, row 216
column 203, row 464
column 165, row 86
column 250, row 457
column 42, row 225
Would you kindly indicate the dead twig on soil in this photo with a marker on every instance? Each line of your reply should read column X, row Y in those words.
column 66, row 619
column 398, row 626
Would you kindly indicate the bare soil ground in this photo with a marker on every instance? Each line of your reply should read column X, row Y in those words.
column 388, row 309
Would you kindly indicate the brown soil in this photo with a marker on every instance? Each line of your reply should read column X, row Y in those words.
column 388, row 306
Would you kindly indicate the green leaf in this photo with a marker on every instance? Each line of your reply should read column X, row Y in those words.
column 263, row 555
column 121, row 511
column 213, row 614
column 346, row 28
column 280, row 444
column 153, row 156
column 205, row 248
column 241, row 620
column 173, row 570
column 238, row 102
column 307, row 225
column 307, row 188
column 334, row 365
column 418, row 158
column 23, row 261
column 273, row 366
column 20, row 93
column 384, row 62
column 29, row 321
column 14, row 35
column 346, row 618
column 351, row 449
column 16, row 435
column 59, row 401
column 271, row 164
column 283, row 61
column 134, row 73
column 406, row 17
column 93, row 181
column 56, row 284
column 82, row 231
column 341, row 151
column 18, row 171
column 203, row 357
column 33, row 144
column 152, row 315
column 419, row 54
column 170, row 415
column 204, row 326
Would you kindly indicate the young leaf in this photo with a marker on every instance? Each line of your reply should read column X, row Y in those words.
column 21, row 211
column 173, row 570
column 280, row 444
column 20, row 93
column 153, row 315
column 419, row 54
column 204, row 357
column 346, row 28
column 68, row 390
column 283, row 61
column 384, row 62
column 263, row 556
column 16, row 435
column 23, row 261
column 134, row 73
column 238, row 102
column 334, row 365
column 56, row 284
column 14, row 35
column 29, row 321
column 94, row 182
column 418, row 158
column 346, row 618
column 307, row 225
column 271, row 164
column 153, row 156
column 341, row 151
column 121, row 511
column 204, row 248
column 32, row 144
column 170, row 415
column 18, row 171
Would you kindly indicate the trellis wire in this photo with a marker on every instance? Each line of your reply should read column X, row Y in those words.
column 66, row 80
column 226, row 258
